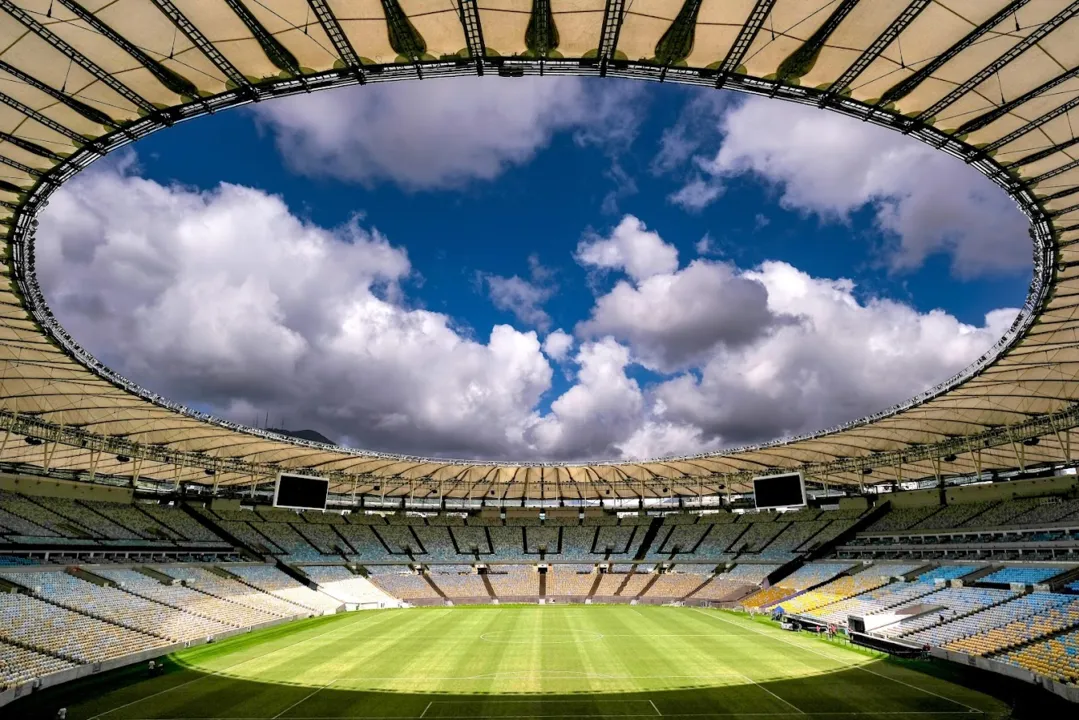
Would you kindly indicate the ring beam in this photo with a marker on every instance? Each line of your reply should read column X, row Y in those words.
column 999, row 90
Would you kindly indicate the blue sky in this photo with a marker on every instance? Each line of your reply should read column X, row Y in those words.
column 492, row 205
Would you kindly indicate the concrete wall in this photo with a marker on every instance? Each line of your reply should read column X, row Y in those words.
column 31, row 485
column 1059, row 485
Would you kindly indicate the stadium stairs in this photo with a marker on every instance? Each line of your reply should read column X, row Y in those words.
column 631, row 573
column 979, row 573
column 296, row 575
column 487, row 584
column 595, row 584
column 430, row 581
column 88, row 577
column 543, row 585
column 691, row 593
column 209, row 524
column 1061, row 581
column 649, row 538
column 648, row 585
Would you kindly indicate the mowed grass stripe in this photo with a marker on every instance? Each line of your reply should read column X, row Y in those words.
column 552, row 661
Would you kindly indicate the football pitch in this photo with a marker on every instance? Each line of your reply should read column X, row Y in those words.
column 484, row 663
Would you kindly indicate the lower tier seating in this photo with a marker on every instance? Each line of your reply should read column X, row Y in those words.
column 19, row 665
column 1056, row 658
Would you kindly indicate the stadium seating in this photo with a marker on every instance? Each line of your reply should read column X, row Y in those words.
column 40, row 625
column 635, row 584
column 1005, row 625
column 609, row 583
column 541, row 537
column 882, row 598
column 1056, row 658
column 508, row 543
column 804, row 577
column 459, row 581
column 188, row 599
column 323, row 537
column 470, row 539
column 1021, row 575
column 339, row 583
column 834, row 591
column 116, row 606
column 675, row 585
column 577, row 541
column 19, row 665
column 366, row 544
column 570, row 580
column 402, row 584
column 946, row 572
column 510, row 581
column 179, row 522
column 273, row 581
column 219, row 586
column 954, row 602
column 436, row 541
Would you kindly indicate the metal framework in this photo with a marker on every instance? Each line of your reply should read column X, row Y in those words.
column 64, row 413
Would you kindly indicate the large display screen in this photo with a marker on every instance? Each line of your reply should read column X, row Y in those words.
column 301, row 492
column 774, row 491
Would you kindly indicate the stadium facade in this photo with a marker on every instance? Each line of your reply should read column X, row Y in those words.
column 994, row 83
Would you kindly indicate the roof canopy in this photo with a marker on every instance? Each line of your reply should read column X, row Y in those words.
column 994, row 82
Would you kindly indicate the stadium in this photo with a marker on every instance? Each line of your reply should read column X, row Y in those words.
column 157, row 562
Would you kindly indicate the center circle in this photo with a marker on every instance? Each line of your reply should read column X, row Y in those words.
column 512, row 637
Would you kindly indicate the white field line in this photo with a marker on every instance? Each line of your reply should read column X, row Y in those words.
column 427, row 708
column 835, row 659
column 214, row 674
column 658, row 713
column 305, row 698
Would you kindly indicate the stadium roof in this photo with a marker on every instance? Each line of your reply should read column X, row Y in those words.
column 994, row 82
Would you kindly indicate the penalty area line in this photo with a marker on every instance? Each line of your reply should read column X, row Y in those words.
column 658, row 713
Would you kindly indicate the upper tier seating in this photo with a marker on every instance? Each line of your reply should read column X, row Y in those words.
column 366, row 544
column 179, row 522
column 1021, row 575
column 577, row 541
column 116, row 606
column 946, row 572
column 436, row 541
column 508, row 543
column 188, row 599
column 40, row 625
column 273, row 581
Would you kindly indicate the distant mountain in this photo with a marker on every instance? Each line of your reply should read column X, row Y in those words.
column 311, row 435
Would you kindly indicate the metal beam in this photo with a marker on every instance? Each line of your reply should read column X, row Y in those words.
column 75, row 56
column 1041, row 154
column 90, row 113
column 337, row 35
column 46, row 121
column 906, row 86
column 29, row 146
column 979, row 122
column 200, row 41
column 277, row 53
column 1032, row 125
column 879, row 45
column 746, row 35
column 1015, row 51
column 613, row 14
column 1053, row 173
column 166, row 76
column 469, row 15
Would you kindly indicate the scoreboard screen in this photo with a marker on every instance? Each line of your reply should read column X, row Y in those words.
column 772, row 491
column 301, row 492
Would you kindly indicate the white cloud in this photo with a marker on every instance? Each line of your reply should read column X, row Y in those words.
column 832, row 166
column 226, row 300
column 524, row 298
column 437, row 134
column 631, row 247
column 558, row 344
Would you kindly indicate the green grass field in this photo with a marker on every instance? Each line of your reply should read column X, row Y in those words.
column 519, row 662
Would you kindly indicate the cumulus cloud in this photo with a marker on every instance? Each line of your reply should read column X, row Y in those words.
column 524, row 298
column 558, row 344
column 438, row 134
column 226, row 300
column 631, row 247
column 832, row 166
